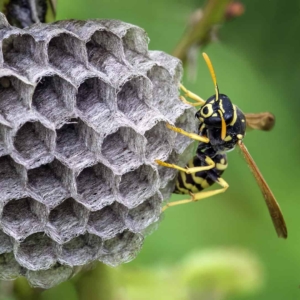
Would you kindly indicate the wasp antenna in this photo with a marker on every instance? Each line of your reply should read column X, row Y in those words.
column 212, row 73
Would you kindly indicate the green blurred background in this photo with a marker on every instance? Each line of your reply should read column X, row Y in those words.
column 257, row 61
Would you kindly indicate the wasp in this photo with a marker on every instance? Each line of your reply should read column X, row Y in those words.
column 222, row 126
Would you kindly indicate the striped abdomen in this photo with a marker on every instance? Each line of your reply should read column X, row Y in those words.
column 196, row 182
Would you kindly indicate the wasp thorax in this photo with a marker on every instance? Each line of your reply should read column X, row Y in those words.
column 212, row 112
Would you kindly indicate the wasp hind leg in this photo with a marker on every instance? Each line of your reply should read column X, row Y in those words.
column 201, row 195
column 191, row 95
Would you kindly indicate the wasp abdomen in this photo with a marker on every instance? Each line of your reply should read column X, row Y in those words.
column 196, row 182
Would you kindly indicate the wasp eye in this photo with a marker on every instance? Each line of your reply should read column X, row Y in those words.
column 207, row 110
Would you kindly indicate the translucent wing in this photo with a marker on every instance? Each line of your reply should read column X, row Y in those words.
column 261, row 121
column 271, row 202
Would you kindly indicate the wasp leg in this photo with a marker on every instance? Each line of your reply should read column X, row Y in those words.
column 193, row 96
column 193, row 136
column 201, row 195
column 189, row 103
column 208, row 160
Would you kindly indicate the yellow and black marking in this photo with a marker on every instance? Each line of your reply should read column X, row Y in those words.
column 222, row 127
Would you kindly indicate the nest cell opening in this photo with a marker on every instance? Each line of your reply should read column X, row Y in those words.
column 66, row 52
column 140, row 217
column 47, row 279
column 123, row 148
column 11, row 103
column 33, row 142
column 6, row 245
column 163, row 89
column 107, row 222
column 47, row 184
column 36, row 252
column 9, row 268
column 187, row 123
column 54, row 98
column 81, row 250
column 10, row 180
column 23, row 217
column 66, row 221
column 19, row 51
column 71, row 146
column 136, row 41
column 120, row 249
column 92, row 98
column 138, row 185
column 132, row 98
column 94, row 185
column 159, row 141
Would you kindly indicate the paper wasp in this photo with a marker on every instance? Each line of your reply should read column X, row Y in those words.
column 222, row 127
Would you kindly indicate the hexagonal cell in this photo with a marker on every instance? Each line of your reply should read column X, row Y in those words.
column 67, row 221
column 135, row 40
column 45, row 182
column 71, row 143
column 11, row 181
column 138, row 185
column 107, row 62
column 160, row 141
column 33, row 144
column 5, row 243
column 95, row 99
column 187, row 122
column 81, row 250
column 132, row 99
column 124, row 149
column 120, row 249
column 20, row 52
column 107, row 222
column 173, row 65
column 54, row 98
column 23, row 217
column 12, row 104
column 68, row 54
column 37, row 252
column 107, row 42
column 46, row 279
column 164, row 93
column 9, row 268
column 140, row 217
column 95, row 187
column 168, row 174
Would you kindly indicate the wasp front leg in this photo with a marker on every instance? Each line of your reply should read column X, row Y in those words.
column 210, row 165
column 191, row 95
column 191, row 135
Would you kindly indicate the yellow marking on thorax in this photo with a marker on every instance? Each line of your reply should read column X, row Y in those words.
column 228, row 138
column 234, row 116
column 243, row 120
column 240, row 136
column 221, row 106
column 221, row 167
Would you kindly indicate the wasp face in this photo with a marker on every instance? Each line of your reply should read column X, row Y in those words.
column 212, row 112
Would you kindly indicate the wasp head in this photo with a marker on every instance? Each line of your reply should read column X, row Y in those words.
column 213, row 111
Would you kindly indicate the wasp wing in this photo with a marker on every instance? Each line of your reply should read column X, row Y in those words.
column 261, row 121
column 271, row 202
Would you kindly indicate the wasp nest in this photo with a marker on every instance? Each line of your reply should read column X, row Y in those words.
column 83, row 109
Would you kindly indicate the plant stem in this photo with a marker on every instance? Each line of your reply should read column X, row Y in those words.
column 213, row 13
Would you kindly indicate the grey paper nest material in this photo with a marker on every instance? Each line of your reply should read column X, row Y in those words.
column 83, row 109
